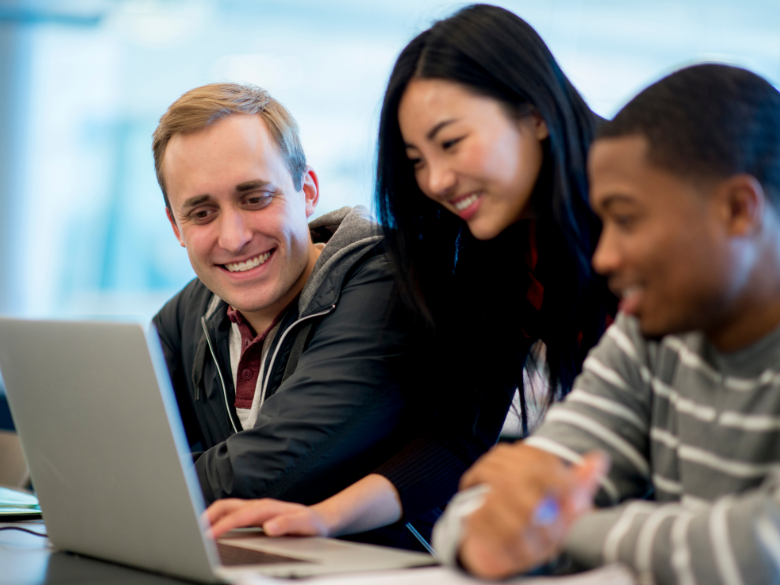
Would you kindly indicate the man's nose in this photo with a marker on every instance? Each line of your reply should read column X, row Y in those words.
column 234, row 233
column 606, row 258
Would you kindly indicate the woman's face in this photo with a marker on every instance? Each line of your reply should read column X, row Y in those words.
column 469, row 155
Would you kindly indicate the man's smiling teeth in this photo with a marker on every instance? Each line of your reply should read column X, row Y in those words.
column 249, row 264
column 462, row 204
column 627, row 292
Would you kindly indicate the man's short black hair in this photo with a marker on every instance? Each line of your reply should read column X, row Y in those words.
column 708, row 121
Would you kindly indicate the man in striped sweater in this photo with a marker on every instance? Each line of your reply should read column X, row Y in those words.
column 682, row 394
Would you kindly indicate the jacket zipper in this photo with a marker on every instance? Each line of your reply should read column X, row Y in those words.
column 219, row 371
column 278, row 345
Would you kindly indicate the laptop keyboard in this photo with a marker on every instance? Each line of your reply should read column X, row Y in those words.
column 234, row 556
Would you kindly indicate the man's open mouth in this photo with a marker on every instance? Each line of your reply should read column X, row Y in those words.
column 248, row 264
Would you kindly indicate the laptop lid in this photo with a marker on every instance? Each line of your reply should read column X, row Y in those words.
column 109, row 460
column 103, row 438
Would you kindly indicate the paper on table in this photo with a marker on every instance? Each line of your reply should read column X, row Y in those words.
column 609, row 575
column 14, row 503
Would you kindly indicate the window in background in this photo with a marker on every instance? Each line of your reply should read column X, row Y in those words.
column 84, row 232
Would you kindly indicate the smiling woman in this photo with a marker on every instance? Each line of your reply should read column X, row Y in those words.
column 481, row 186
column 470, row 155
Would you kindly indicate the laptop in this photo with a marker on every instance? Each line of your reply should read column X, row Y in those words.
column 103, row 438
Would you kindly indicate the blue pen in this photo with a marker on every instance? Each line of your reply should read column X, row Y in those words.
column 546, row 512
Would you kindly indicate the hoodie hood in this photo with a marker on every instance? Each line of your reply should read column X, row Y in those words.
column 348, row 233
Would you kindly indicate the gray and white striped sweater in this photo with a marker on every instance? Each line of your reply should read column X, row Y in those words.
column 694, row 437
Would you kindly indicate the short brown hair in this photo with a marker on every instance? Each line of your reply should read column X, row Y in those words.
column 205, row 105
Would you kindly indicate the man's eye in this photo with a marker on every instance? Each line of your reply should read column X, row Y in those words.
column 624, row 221
column 258, row 200
column 201, row 214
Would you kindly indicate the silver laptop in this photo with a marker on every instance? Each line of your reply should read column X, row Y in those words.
column 103, row 438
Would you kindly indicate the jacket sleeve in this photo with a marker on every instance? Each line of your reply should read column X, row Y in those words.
column 168, row 325
column 426, row 472
column 325, row 425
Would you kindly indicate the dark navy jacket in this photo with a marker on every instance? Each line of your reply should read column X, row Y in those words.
column 339, row 377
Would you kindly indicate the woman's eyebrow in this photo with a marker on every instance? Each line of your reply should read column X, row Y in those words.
column 435, row 130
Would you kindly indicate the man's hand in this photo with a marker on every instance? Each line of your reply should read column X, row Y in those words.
column 533, row 500
column 277, row 518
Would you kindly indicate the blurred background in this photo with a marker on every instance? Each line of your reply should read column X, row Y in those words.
column 83, row 232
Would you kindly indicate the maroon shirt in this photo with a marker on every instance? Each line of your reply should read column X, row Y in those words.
column 251, row 356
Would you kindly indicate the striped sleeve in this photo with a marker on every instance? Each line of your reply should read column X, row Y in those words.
column 608, row 410
column 731, row 540
column 734, row 540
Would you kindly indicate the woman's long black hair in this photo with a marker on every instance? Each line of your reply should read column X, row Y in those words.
column 473, row 293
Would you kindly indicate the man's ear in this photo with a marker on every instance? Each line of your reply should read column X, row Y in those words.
column 743, row 203
column 311, row 190
column 176, row 231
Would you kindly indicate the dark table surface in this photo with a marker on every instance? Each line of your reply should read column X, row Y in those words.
column 31, row 560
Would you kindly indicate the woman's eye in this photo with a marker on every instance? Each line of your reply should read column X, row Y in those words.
column 447, row 144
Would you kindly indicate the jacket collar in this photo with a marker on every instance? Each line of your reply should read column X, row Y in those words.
column 349, row 234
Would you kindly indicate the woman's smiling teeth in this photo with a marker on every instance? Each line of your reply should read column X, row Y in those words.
column 249, row 264
column 462, row 204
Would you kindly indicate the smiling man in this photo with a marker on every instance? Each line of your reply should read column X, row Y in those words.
column 287, row 351
column 682, row 392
